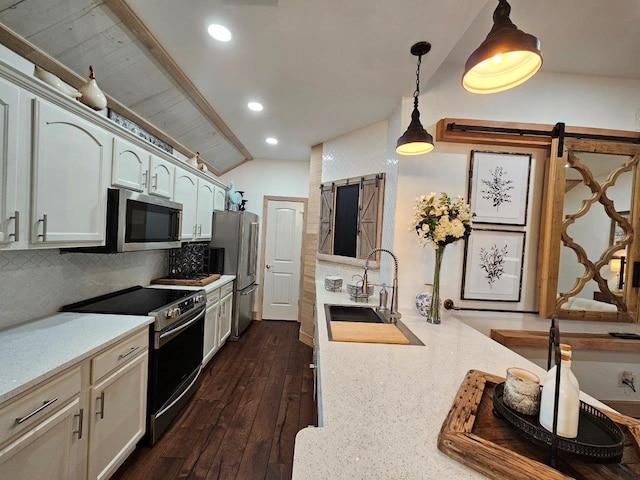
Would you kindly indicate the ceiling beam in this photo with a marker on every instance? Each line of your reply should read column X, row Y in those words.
column 128, row 17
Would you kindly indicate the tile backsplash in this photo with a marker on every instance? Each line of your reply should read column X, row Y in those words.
column 36, row 283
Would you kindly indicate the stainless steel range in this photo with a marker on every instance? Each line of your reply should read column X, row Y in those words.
column 176, row 341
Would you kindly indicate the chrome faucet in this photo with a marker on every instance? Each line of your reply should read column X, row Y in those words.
column 394, row 315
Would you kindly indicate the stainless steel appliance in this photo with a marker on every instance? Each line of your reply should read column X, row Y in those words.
column 237, row 233
column 136, row 221
column 175, row 345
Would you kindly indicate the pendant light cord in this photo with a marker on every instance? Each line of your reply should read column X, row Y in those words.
column 416, row 93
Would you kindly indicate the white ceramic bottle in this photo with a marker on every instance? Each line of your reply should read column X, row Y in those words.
column 568, row 400
column 564, row 347
column 91, row 93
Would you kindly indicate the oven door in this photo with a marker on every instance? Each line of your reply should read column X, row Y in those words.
column 175, row 364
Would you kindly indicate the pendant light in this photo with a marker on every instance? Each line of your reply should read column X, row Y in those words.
column 506, row 58
column 416, row 140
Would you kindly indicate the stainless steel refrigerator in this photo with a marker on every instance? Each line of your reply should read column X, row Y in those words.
column 237, row 233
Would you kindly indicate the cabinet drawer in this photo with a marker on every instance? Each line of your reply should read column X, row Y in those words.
column 119, row 354
column 213, row 297
column 226, row 289
column 40, row 403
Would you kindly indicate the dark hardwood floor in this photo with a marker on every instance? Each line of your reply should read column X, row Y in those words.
column 256, row 394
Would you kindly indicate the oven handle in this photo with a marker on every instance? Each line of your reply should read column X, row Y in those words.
column 195, row 379
column 168, row 335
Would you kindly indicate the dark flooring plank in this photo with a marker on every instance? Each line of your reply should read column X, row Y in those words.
column 241, row 424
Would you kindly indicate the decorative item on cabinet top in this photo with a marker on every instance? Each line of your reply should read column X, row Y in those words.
column 92, row 96
column 197, row 163
column 51, row 79
column 139, row 131
column 235, row 197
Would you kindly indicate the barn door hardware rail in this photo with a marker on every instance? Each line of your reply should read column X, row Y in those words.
column 534, row 135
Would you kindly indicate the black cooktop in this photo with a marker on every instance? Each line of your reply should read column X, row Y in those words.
column 131, row 301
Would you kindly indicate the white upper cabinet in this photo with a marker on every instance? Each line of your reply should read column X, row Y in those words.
column 70, row 162
column 136, row 169
column 130, row 167
column 205, row 209
column 219, row 198
column 14, row 125
column 161, row 177
column 186, row 193
column 196, row 196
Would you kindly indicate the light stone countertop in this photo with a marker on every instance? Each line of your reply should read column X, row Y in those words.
column 383, row 405
column 36, row 351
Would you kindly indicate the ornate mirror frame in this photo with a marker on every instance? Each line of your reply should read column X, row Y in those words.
column 554, row 232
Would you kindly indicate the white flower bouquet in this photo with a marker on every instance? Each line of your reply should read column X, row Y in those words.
column 441, row 221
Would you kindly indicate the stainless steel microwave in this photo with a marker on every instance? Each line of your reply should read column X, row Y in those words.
column 136, row 221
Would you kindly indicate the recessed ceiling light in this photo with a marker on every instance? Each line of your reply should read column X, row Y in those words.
column 219, row 32
column 255, row 106
column 272, row 141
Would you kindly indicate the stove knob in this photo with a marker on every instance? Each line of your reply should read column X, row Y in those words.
column 198, row 298
column 173, row 312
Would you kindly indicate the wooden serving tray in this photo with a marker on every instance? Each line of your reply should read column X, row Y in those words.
column 186, row 282
column 472, row 435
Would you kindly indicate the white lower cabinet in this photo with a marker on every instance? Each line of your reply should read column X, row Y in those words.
column 226, row 308
column 118, row 396
column 117, row 417
column 81, row 424
column 48, row 450
column 217, row 322
column 42, row 431
column 211, row 320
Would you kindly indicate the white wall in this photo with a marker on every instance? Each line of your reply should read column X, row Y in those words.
column 362, row 152
column 257, row 178
column 547, row 98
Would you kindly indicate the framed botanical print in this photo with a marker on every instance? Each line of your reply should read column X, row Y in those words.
column 492, row 268
column 499, row 187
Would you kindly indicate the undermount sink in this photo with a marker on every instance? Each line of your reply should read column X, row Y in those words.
column 364, row 324
column 346, row 313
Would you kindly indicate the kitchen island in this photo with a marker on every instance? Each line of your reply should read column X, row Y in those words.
column 382, row 406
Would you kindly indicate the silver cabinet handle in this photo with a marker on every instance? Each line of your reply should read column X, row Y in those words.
column 125, row 355
column 101, row 398
column 195, row 230
column 43, row 220
column 200, row 229
column 268, row 266
column 45, row 404
column 16, row 226
column 145, row 177
column 80, row 421
column 155, row 182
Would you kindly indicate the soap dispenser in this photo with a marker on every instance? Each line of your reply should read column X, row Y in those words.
column 384, row 295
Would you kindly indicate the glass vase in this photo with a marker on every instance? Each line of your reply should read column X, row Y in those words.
column 434, row 309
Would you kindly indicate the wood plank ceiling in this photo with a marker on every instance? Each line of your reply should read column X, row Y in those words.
column 131, row 68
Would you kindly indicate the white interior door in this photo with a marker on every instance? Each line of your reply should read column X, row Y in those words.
column 282, row 257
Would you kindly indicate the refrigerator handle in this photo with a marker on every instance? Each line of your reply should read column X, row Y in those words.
column 253, row 247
